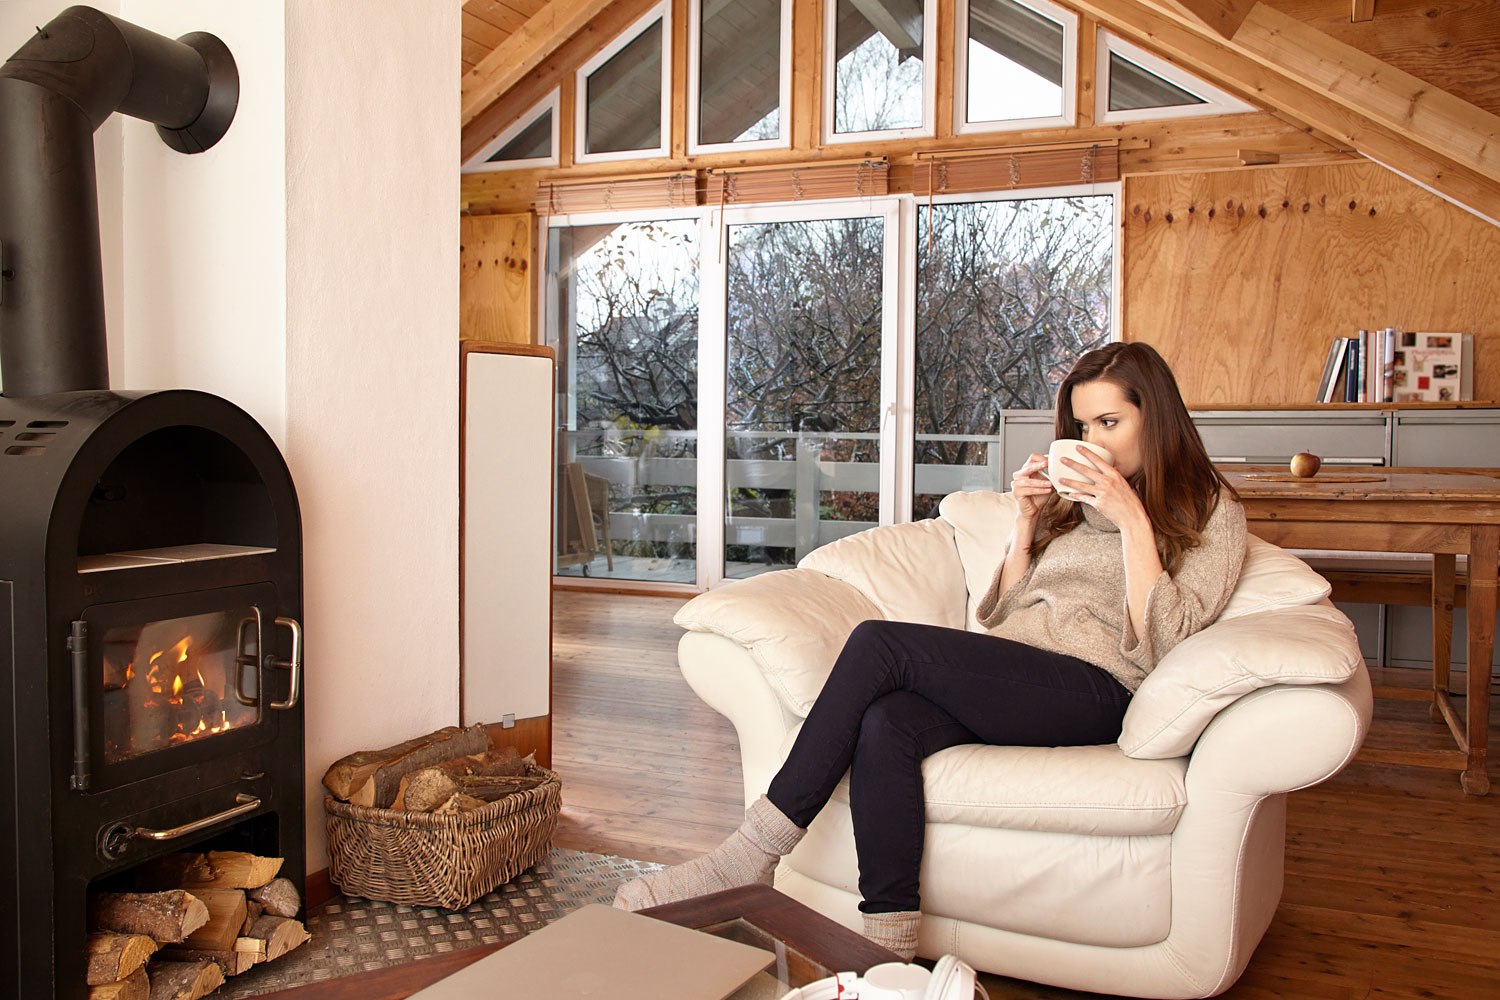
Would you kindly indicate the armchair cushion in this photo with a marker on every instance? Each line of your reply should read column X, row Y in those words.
column 793, row 622
column 1207, row 671
column 1272, row 577
column 909, row 571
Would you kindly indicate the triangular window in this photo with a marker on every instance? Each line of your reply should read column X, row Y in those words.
column 1134, row 85
column 624, row 93
column 529, row 141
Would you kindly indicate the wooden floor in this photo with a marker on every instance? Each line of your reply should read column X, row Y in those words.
column 1392, row 876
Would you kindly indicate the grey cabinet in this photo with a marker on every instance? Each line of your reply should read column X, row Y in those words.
column 1272, row 437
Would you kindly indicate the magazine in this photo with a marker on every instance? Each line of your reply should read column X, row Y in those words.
column 1428, row 367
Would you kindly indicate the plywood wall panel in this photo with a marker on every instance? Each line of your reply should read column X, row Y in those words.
column 1241, row 278
column 496, row 278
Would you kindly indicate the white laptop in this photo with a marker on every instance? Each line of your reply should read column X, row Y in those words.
column 599, row 951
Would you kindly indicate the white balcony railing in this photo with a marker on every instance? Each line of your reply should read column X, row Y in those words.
column 632, row 462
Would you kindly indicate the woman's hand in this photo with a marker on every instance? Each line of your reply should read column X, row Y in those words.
column 1029, row 488
column 1109, row 493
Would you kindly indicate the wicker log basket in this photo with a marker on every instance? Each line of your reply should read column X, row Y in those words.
column 446, row 861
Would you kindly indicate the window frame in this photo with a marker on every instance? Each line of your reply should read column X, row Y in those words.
column 478, row 164
column 695, row 88
column 1215, row 100
column 1067, row 119
column 830, row 82
column 663, row 12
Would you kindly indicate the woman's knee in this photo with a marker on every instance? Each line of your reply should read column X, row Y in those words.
column 891, row 720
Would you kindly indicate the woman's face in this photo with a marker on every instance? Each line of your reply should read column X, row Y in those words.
column 1106, row 418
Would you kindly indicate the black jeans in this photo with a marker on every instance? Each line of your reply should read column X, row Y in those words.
column 900, row 692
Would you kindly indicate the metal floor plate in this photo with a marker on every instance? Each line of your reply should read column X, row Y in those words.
column 352, row 934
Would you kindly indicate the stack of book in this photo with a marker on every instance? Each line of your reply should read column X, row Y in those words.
column 1398, row 366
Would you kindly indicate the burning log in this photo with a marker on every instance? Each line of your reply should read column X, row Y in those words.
column 371, row 777
column 279, row 897
column 226, row 915
column 166, row 916
column 279, row 934
column 135, row 986
column 184, row 980
column 113, row 957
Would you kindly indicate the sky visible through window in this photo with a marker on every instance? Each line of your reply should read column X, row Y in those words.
column 1002, row 90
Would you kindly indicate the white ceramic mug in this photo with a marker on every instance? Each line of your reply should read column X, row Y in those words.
column 1079, row 452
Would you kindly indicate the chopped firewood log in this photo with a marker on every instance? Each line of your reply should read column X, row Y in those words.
column 370, row 777
column 184, row 980
column 173, row 871
column 253, row 912
column 166, row 916
column 280, row 934
column 229, row 961
column 254, row 947
column 428, row 788
column 458, row 802
column 279, row 897
column 226, row 917
column 135, row 986
column 237, row 870
column 113, row 957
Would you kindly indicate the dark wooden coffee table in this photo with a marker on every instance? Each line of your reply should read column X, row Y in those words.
column 808, row 947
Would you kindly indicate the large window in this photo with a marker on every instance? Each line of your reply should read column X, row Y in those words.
column 622, row 315
column 804, row 315
column 1009, row 295
column 739, row 386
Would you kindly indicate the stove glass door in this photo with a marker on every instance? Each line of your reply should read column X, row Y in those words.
column 179, row 680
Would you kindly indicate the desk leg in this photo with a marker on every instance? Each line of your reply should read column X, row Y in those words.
column 1442, row 627
column 1484, row 550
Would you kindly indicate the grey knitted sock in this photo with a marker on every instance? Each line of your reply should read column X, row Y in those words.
column 896, row 931
column 749, row 855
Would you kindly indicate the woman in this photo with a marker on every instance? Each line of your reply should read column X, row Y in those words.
column 1089, row 596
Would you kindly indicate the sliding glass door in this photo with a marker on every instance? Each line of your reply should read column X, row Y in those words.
column 808, row 306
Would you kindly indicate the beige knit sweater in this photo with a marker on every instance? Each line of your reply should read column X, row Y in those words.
column 1072, row 599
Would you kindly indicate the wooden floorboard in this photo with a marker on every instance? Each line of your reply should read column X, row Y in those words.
column 1392, row 874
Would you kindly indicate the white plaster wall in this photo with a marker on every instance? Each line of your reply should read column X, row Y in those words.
column 19, row 20
column 372, row 133
column 204, row 235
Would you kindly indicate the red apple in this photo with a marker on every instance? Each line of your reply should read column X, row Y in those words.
column 1305, row 464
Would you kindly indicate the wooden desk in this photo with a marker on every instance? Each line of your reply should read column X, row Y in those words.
column 1443, row 513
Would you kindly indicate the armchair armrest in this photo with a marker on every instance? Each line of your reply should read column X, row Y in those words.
column 793, row 624
column 1308, row 645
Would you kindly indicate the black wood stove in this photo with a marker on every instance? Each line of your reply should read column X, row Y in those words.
column 150, row 542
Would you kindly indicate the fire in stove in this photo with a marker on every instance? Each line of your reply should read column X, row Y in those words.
column 172, row 682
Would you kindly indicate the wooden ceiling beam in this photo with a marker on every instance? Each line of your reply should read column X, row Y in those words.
column 1436, row 166
column 523, row 51
column 1414, row 109
column 1223, row 16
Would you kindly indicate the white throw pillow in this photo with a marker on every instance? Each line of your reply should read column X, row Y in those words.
column 982, row 525
column 910, row 571
column 1205, row 672
column 1272, row 577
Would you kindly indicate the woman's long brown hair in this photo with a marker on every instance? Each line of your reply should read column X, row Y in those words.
column 1177, row 483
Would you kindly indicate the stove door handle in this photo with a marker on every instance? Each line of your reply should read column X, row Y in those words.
column 294, row 664
column 247, row 804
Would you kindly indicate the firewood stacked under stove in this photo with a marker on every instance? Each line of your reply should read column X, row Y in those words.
column 197, row 919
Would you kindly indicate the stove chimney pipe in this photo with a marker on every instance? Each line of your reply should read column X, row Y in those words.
column 54, row 92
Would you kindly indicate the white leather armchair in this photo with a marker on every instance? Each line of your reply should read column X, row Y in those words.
column 1150, row 867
